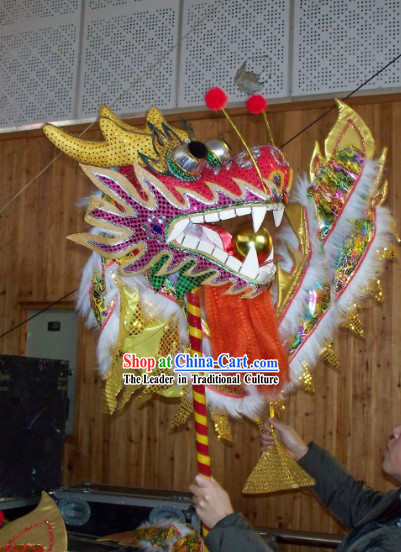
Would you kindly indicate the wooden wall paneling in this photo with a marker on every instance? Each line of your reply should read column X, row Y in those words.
column 352, row 410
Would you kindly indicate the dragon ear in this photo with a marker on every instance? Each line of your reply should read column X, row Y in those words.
column 349, row 131
column 316, row 161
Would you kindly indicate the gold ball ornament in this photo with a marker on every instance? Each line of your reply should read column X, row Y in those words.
column 261, row 239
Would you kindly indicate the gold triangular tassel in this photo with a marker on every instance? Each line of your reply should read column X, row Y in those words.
column 275, row 471
column 376, row 290
column 184, row 411
column 353, row 322
column 221, row 424
column 327, row 353
column 306, row 379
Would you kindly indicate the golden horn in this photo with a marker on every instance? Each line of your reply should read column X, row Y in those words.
column 122, row 145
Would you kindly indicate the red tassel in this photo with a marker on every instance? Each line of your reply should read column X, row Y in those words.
column 216, row 99
column 256, row 104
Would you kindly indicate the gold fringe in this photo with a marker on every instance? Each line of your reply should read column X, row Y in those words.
column 375, row 288
column 221, row 424
column 306, row 379
column 388, row 253
column 353, row 322
column 327, row 353
column 184, row 411
column 258, row 421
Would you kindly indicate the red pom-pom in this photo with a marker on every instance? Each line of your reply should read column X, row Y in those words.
column 216, row 99
column 1, row 518
column 256, row 104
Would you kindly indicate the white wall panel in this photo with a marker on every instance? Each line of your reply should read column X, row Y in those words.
column 338, row 44
column 121, row 39
column 38, row 58
column 240, row 30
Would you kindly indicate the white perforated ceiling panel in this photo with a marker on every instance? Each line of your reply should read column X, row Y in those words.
column 122, row 38
column 38, row 54
column 338, row 44
column 254, row 31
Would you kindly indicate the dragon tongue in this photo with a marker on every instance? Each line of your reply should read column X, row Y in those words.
column 219, row 237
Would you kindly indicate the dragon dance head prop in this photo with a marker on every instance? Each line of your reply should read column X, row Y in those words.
column 164, row 196
column 172, row 212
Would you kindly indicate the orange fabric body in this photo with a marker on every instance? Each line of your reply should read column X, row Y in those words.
column 239, row 326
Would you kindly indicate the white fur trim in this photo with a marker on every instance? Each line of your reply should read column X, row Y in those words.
column 356, row 290
column 251, row 405
column 83, row 304
column 317, row 270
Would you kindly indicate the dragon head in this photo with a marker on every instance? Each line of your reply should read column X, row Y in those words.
column 166, row 200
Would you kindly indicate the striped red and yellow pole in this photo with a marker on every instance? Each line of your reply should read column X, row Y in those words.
column 198, row 391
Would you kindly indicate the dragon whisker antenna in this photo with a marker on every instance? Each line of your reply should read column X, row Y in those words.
column 258, row 104
column 216, row 100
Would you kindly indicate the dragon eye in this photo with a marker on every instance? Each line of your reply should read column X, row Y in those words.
column 218, row 152
column 188, row 161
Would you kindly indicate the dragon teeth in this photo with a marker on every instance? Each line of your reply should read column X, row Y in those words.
column 234, row 263
column 241, row 211
column 224, row 215
column 190, row 242
column 250, row 267
column 278, row 216
column 220, row 255
column 198, row 219
column 205, row 247
column 211, row 217
column 258, row 216
column 178, row 229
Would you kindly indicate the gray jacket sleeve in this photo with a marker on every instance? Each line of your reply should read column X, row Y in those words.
column 349, row 500
column 234, row 534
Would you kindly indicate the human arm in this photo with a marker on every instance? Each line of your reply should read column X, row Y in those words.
column 349, row 500
column 229, row 530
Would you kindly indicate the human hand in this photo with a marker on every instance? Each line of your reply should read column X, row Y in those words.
column 288, row 436
column 212, row 502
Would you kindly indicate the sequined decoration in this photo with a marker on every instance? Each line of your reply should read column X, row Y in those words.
column 97, row 294
column 123, row 144
column 353, row 322
column 375, row 288
column 395, row 232
column 185, row 284
column 327, row 353
column 41, row 529
column 319, row 302
column 275, row 471
column 306, row 380
column 258, row 421
column 22, row 548
column 387, row 253
column 169, row 345
column 352, row 253
column 184, row 411
column 332, row 185
column 221, row 424
column 278, row 406
column 145, row 337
